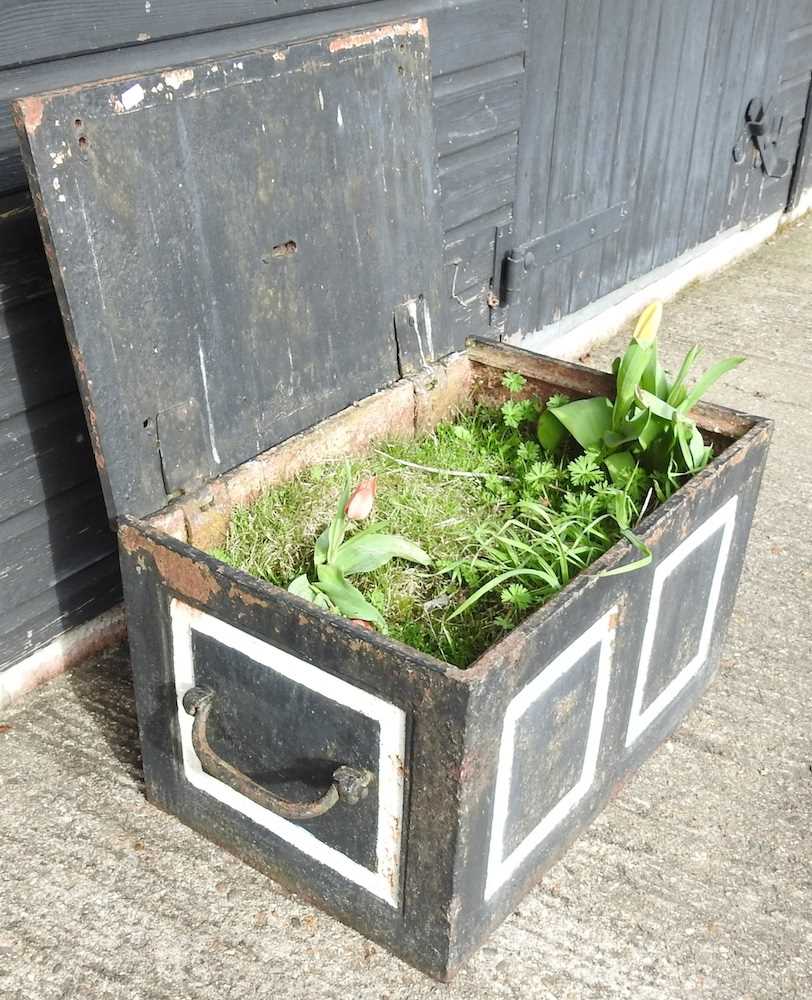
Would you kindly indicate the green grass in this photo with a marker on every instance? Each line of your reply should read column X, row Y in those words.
column 273, row 538
column 513, row 533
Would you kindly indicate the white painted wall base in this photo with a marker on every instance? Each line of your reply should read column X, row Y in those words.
column 66, row 651
column 574, row 336
column 804, row 205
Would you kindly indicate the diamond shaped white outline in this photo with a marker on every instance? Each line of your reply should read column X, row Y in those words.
column 384, row 880
column 500, row 868
column 640, row 719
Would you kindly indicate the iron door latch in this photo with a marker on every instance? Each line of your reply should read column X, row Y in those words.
column 763, row 128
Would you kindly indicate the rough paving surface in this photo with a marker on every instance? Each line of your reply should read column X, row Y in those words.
column 696, row 882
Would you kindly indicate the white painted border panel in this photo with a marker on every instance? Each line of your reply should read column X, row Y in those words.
column 500, row 868
column 385, row 880
column 722, row 520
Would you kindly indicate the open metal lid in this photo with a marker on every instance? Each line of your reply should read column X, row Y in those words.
column 241, row 247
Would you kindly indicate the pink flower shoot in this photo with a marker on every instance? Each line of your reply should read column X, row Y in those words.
column 362, row 499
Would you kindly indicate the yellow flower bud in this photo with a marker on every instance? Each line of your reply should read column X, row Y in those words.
column 645, row 332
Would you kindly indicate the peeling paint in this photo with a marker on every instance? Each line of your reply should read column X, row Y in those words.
column 192, row 578
column 32, row 109
column 129, row 99
column 376, row 35
column 177, row 77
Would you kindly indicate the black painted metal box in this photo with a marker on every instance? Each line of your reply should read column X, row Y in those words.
column 243, row 250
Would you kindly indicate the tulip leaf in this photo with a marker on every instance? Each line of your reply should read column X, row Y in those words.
column 630, row 430
column 348, row 600
column 632, row 366
column 301, row 588
column 368, row 550
column 550, row 431
column 642, row 548
column 657, row 406
column 338, row 526
column 587, row 420
column 620, row 465
column 654, row 428
column 677, row 391
column 706, row 381
column 322, row 547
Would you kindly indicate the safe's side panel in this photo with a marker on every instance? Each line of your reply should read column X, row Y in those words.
column 583, row 692
column 384, row 866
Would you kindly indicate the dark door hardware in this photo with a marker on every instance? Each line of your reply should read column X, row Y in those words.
column 350, row 785
column 547, row 249
column 762, row 127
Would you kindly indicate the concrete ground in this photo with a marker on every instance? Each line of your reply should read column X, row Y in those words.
column 695, row 882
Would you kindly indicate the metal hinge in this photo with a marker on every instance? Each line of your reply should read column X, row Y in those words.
column 545, row 250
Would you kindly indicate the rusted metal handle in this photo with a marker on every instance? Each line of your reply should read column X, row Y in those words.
column 350, row 784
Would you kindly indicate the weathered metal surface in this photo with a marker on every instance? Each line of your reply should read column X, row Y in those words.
column 260, row 218
column 349, row 784
column 497, row 768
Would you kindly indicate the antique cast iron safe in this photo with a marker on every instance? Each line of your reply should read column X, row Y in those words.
column 248, row 257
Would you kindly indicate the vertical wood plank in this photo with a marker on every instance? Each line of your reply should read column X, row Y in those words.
column 774, row 193
column 542, row 72
column 658, row 134
column 729, row 119
column 564, row 195
column 761, row 80
column 602, row 131
column 642, row 35
column 712, row 92
column 684, row 115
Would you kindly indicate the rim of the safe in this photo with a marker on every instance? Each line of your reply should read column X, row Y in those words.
column 491, row 658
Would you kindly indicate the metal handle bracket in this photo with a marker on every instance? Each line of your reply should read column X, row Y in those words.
column 350, row 785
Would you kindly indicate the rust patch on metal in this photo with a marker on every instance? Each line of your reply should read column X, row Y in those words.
column 31, row 111
column 246, row 597
column 172, row 522
column 374, row 36
column 182, row 573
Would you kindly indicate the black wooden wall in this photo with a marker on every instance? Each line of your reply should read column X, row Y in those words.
column 554, row 119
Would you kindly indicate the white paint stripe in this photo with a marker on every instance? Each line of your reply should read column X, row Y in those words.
column 382, row 882
column 722, row 520
column 209, row 418
column 501, row 868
